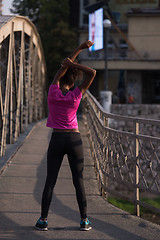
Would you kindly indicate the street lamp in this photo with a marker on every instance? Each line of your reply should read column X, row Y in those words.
column 107, row 25
column 106, row 96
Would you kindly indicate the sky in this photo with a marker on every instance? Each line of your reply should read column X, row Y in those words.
column 6, row 5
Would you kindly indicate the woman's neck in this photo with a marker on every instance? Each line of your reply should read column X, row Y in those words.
column 64, row 89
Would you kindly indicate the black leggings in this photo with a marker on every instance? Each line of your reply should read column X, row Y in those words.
column 62, row 143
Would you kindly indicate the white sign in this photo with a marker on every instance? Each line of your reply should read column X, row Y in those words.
column 96, row 29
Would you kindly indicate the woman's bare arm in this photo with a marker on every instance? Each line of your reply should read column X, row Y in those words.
column 73, row 56
column 86, row 44
column 59, row 75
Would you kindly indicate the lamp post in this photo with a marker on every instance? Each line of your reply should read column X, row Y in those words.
column 107, row 25
column 106, row 96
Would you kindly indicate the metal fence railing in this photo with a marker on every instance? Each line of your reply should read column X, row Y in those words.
column 127, row 160
column 22, row 78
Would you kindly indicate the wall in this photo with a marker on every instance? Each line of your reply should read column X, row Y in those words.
column 150, row 111
column 0, row 7
column 138, row 111
column 123, row 6
column 143, row 33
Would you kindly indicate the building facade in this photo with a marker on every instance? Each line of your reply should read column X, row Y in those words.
column 0, row 7
column 133, row 54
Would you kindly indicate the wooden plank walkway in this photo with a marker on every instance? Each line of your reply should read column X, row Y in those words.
column 21, row 186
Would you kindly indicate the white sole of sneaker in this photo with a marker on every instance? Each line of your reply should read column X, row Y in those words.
column 41, row 229
column 85, row 229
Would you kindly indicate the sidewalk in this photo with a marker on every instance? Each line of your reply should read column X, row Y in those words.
column 21, row 186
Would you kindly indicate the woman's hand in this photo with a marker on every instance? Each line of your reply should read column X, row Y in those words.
column 86, row 44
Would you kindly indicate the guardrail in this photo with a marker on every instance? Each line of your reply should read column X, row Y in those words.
column 127, row 161
column 22, row 78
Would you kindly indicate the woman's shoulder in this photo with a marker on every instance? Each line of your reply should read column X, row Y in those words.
column 76, row 93
column 54, row 86
column 53, row 91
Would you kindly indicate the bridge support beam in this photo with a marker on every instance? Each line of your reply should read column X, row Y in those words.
column 22, row 78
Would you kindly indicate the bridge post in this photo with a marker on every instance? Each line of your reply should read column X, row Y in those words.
column 1, row 101
column 136, row 177
column 7, row 94
column 11, row 79
column 19, row 111
column 30, row 59
column 105, row 156
column 22, row 80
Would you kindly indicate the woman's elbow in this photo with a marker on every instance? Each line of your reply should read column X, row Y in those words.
column 94, row 72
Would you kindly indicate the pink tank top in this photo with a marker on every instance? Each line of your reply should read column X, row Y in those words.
column 63, row 109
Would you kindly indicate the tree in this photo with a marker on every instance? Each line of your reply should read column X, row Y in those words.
column 51, row 18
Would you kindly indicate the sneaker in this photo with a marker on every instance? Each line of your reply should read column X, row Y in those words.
column 85, row 225
column 41, row 225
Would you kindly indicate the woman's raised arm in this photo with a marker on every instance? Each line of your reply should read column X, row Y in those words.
column 89, row 72
column 64, row 67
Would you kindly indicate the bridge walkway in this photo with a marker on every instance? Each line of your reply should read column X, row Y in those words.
column 21, row 186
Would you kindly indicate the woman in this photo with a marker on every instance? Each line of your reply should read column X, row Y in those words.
column 66, row 139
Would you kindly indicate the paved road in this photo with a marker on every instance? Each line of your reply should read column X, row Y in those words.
column 21, row 186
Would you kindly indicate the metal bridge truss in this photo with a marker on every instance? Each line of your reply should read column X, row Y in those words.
column 22, row 78
column 127, row 160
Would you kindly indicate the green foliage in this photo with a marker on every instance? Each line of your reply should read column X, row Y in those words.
column 155, row 202
column 29, row 8
column 52, row 21
column 122, row 204
column 129, row 207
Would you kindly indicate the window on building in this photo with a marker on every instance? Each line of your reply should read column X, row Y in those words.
column 123, row 48
column 157, row 90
